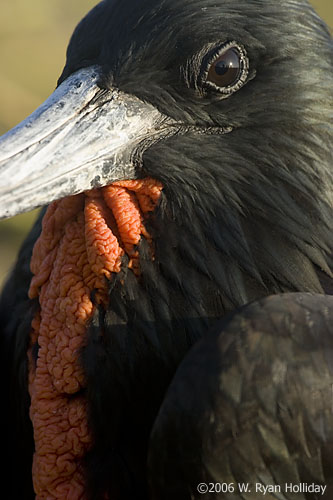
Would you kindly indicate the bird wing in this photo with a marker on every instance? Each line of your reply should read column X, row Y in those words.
column 251, row 403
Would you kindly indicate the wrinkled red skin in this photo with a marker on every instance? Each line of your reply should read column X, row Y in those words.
column 82, row 242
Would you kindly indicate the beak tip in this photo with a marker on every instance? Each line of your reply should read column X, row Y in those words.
column 79, row 139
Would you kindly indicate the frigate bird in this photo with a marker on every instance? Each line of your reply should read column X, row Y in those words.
column 186, row 157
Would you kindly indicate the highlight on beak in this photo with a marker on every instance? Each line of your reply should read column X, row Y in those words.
column 81, row 137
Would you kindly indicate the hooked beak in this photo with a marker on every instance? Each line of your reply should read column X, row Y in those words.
column 81, row 137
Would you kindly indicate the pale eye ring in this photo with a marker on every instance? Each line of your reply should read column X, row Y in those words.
column 226, row 70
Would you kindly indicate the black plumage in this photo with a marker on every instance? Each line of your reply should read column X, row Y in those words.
column 243, row 214
column 251, row 406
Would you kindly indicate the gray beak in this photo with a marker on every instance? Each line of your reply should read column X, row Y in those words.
column 81, row 137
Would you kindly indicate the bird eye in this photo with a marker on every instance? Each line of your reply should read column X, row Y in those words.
column 227, row 69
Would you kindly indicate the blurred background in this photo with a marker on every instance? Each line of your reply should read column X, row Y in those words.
column 33, row 38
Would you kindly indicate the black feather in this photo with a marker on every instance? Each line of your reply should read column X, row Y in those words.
column 251, row 403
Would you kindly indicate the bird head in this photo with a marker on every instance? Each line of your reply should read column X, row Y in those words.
column 228, row 105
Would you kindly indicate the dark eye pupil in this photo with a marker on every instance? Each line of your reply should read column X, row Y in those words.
column 221, row 68
column 226, row 69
